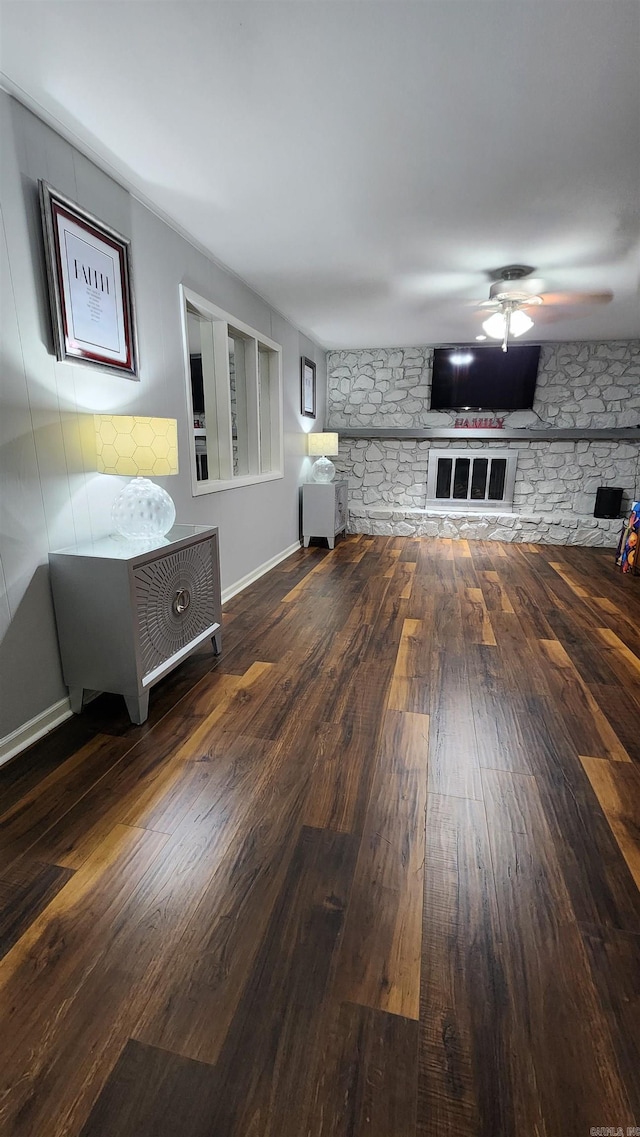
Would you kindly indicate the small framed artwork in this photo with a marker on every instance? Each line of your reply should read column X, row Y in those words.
column 308, row 387
column 90, row 288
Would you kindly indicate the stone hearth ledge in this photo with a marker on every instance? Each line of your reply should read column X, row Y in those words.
column 544, row 529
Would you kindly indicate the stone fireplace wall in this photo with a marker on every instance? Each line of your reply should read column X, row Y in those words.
column 579, row 385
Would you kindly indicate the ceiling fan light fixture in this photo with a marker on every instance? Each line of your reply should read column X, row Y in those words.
column 496, row 325
column 519, row 322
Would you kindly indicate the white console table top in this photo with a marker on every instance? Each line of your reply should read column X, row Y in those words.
column 114, row 547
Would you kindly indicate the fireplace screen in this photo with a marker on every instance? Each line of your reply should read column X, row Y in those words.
column 480, row 479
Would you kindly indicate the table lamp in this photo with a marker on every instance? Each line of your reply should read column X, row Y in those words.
column 326, row 443
column 142, row 448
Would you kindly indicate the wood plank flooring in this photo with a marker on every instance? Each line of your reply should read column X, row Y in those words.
column 373, row 872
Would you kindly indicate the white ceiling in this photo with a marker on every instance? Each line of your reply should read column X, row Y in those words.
column 363, row 165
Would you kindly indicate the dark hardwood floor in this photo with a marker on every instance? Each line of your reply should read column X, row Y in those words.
column 375, row 871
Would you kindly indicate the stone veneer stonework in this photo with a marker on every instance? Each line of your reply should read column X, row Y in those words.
column 560, row 530
column 579, row 385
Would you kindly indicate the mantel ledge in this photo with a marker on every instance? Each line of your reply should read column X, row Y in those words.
column 613, row 434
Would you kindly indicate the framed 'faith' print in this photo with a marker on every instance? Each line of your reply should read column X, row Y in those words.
column 90, row 287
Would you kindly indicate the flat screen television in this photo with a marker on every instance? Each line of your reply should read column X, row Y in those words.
column 484, row 378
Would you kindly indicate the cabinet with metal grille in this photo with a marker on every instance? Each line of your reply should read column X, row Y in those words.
column 127, row 613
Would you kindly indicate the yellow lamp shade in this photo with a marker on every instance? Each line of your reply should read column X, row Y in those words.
column 325, row 443
column 135, row 446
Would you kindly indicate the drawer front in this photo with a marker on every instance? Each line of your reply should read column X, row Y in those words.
column 341, row 508
column 176, row 598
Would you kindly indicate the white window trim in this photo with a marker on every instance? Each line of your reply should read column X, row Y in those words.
column 220, row 394
column 467, row 504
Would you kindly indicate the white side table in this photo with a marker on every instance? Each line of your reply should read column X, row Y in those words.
column 129, row 612
column 324, row 510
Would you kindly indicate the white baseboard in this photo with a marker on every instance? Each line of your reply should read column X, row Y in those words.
column 31, row 731
column 37, row 727
column 261, row 570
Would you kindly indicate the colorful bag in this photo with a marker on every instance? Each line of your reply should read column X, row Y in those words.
column 626, row 556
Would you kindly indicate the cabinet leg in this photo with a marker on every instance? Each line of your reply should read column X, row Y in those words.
column 332, row 542
column 137, row 706
column 305, row 542
column 76, row 695
column 216, row 640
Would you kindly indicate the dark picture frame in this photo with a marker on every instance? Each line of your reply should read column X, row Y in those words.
column 308, row 387
column 90, row 287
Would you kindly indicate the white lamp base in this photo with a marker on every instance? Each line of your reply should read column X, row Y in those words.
column 323, row 470
column 143, row 509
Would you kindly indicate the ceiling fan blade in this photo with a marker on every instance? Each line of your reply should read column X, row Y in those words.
column 555, row 314
column 486, row 307
column 570, row 299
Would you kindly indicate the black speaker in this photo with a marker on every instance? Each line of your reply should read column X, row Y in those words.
column 608, row 501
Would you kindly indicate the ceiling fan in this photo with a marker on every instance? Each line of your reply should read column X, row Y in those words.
column 513, row 293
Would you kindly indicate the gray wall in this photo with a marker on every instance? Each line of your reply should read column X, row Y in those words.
column 50, row 496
